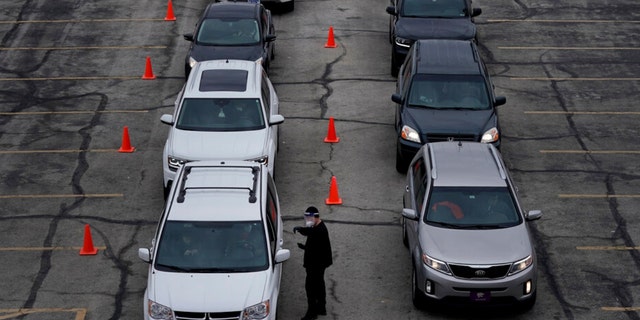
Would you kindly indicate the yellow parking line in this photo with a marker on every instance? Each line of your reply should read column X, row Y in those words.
column 599, row 195
column 83, row 195
column 561, row 21
column 56, row 151
column 82, row 20
column 592, row 151
column 32, row 113
column 46, row 248
column 573, row 79
column 585, row 112
column 620, row 248
column 72, row 78
column 81, row 313
column 620, row 309
column 568, row 48
column 83, row 48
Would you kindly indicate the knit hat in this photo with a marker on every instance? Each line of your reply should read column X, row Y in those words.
column 312, row 211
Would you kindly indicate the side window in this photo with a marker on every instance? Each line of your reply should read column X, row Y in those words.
column 406, row 75
column 272, row 219
column 266, row 96
column 419, row 187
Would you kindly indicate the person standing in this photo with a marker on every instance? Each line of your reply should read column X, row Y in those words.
column 317, row 258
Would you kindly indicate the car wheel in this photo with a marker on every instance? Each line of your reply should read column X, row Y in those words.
column 401, row 164
column 288, row 6
column 395, row 66
column 166, row 189
column 417, row 297
column 405, row 240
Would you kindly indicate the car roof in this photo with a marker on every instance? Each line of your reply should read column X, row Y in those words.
column 218, row 191
column 224, row 78
column 465, row 163
column 232, row 9
column 444, row 56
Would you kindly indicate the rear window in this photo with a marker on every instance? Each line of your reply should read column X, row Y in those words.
column 224, row 80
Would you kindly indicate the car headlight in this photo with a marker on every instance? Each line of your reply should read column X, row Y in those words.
column 256, row 311
column 409, row 134
column 175, row 163
column 404, row 42
column 435, row 264
column 521, row 265
column 158, row 311
column 263, row 160
column 192, row 62
column 491, row 135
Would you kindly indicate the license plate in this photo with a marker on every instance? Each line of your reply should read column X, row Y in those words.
column 481, row 296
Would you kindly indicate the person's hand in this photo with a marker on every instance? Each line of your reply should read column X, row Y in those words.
column 301, row 246
column 296, row 229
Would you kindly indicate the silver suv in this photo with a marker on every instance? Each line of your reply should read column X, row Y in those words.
column 466, row 232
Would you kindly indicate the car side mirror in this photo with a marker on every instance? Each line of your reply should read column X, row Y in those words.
column 391, row 10
column 167, row 119
column 396, row 98
column 534, row 215
column 282, row 255
column 500, row 101
column 409, row 214
column 270, row 37
column 188, row 36
column 144, row 254
column 276, row 119
column 476, row 12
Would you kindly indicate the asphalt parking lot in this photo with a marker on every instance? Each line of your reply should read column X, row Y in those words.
column 71, row 81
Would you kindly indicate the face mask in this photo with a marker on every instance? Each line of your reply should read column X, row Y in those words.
column 308, row 221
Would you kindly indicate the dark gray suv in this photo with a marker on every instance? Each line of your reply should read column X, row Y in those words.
column 467, row 235
column 443, row 92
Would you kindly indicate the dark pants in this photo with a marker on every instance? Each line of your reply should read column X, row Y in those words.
column 316, row 290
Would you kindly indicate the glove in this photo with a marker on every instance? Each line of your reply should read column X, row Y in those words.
column 301, row 246
column 296, row 229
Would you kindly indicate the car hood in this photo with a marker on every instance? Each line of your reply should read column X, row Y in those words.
column 204, row 145
column 435, row 28
column 486, row 246
column 201, row 53
column 207, row 292
column 443, row 121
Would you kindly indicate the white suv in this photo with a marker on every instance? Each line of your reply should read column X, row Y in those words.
column 217, row 252
column 227, row 109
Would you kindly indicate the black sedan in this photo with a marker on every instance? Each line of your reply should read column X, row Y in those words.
column 232, row 30
column 411, row 20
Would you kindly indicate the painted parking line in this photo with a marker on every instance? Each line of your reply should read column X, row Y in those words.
column 561, row 21
column 56, row 151
column 46, row 248
column 80, row 313
column 624, row 309
column 595, row 196
column 591, row 151
column 83, row 48
column 569, row 48
column 37, row 113
column 585, row 112
column 72, row 78
column 83, row 195
column 571, row 79
column 605, row 248
column 81, row 20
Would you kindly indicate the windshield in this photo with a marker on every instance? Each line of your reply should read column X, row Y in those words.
column 228, row 32
column 187, row 246
column 472, row 207
column 434, row 8
column 216, row 114
column 449, row 92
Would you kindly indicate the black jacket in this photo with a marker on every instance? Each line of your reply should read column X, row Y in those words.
column 317, row 252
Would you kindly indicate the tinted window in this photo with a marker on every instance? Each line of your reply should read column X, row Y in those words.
column 434, row 8
column 187, row 246
column 266, row 93
column 419, row 187
column 472, row 207
column 223, row 80
column 228, row 32
column 449, row 92
column 216, row 114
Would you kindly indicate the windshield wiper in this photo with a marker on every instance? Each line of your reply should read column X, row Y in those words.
column 426, row 106
column 174, row 268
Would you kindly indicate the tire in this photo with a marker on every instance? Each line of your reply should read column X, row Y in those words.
column 288, row 6
column 405, row 240
column 166, row 189
column 401, row 164
column 417, row 297
column 395, row 65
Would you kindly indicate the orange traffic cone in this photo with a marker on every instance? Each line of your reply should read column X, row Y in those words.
column 126, row 143
column 88, row 248
column 148, row 71
column 170, row 16
column 331, row 133
column 334, row 198
column 331, row 42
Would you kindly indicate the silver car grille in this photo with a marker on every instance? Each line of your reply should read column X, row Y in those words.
column 480, row 272
column 182, row 315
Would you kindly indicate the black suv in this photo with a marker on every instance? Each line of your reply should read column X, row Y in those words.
column 411, row 20
column 232, row 30
column 443, row 92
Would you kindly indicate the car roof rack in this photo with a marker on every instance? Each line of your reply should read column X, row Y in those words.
column 255, row 170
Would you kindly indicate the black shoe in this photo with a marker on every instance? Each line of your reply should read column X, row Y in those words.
column 309, row 316
column 322, row 312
